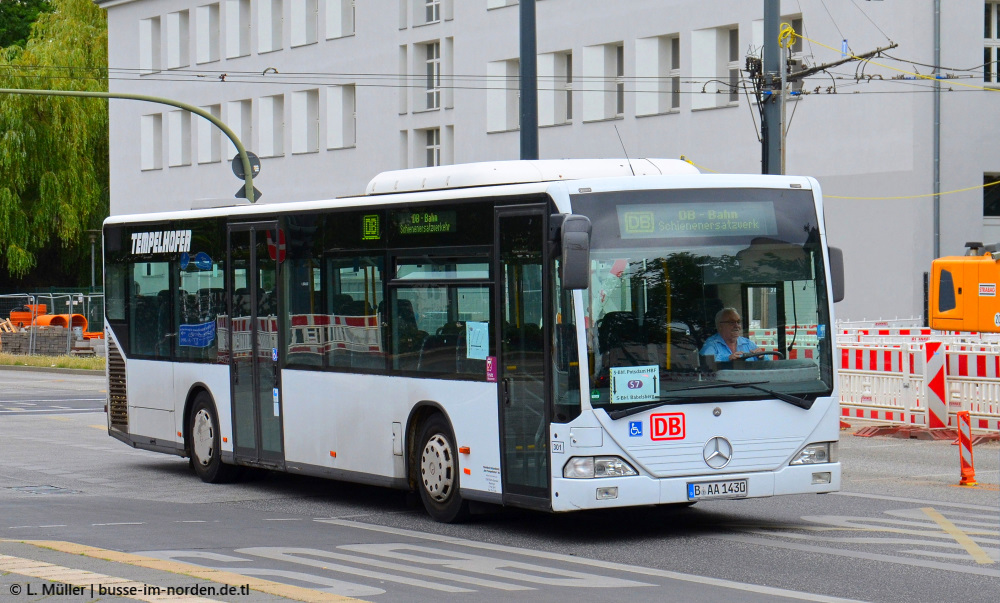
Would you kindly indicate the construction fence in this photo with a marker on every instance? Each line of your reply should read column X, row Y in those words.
column 912, row 375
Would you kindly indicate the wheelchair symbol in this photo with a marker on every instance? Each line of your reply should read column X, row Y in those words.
column 635, row 429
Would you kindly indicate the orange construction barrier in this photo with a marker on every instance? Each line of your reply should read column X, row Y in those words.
column 62, row 320
column 965, row 449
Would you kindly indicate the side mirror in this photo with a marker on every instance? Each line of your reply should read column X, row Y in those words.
column 575, row 241
column 837, row 273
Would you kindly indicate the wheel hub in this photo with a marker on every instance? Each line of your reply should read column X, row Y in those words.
column 203, row 438
column 437, row 468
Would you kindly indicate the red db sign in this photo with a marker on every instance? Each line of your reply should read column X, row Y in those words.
column 667, row 426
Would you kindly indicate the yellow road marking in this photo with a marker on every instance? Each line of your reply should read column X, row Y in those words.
column 960, row 537
column 101, row 427
column 57, row 418
column 88, row 580
column 295, row 593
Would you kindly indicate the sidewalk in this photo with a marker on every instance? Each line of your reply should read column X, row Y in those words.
column 60, row 571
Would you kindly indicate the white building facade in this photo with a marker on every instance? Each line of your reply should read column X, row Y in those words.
column 331, row 92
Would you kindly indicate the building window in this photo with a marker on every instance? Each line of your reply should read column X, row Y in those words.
column 305, row 121
column 339, row 18
column 991, row 195
column 209, row 137
column 404, row 86
column 179, row 138
column 207, row 33
column 271, row 125
column 657, row 70
column 432, row 148
column 270, row 21
column 149, row 45
column 177, row 40
column 503, row 108
column 432, row 11
column 304, row 17
column 555, row 88
column 603, row 81
column 151, row 142
column 734, row 65
column 341, row 117
column 620, row 80
column 991, row 43
column 715, row 60
column 237, row 28
column 239, row 120
column 433, row 75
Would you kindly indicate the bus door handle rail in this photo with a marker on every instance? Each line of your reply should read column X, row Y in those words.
column 507, row 386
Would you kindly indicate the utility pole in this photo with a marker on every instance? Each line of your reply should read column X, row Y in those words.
column 529, row 81
column 771, row 94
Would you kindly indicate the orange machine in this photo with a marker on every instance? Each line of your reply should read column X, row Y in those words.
column 963, row 291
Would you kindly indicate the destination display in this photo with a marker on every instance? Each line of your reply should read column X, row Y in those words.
column 654, row 221
column 426, row 222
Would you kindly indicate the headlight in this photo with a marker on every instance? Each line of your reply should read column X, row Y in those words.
column 823, row 452
column 584, row 467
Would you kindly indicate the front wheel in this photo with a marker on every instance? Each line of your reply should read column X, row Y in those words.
column 437, row 463
column 206, row 449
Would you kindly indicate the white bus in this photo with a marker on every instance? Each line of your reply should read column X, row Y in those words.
column 516, row 333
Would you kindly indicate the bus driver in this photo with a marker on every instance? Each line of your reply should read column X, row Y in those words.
column 727, row 344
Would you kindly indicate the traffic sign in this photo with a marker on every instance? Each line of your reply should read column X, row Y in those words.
column 242, row 194
column 238, row 165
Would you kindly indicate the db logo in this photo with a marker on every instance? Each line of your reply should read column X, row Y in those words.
column 635, row 384
column 667, row 426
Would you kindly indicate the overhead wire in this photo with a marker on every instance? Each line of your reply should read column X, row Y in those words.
column 891, row 198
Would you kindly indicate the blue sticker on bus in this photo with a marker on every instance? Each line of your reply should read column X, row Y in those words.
column 821, row 332
column 635, row 429
column 203, row 261
column 196, row 336
column 185, row 260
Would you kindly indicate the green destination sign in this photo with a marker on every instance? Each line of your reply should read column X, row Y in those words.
column 669, row 220
column 426, row 222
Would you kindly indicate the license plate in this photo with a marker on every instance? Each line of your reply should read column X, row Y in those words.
column 736, row 488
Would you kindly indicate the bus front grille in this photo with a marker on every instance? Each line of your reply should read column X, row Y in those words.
column 117, row 399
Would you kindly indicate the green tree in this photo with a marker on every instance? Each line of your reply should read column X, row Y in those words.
column 54, row 150
column 16, row 17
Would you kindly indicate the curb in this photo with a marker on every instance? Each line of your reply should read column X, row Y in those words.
column 42, row 369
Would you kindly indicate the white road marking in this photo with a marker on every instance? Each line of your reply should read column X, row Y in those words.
column 329, row 585
column 917, row 501
column 602, row 565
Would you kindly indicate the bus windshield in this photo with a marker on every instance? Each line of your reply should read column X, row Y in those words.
column 696, row 294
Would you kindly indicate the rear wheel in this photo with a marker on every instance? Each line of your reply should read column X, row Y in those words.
column 438, row 472
column 206, row 448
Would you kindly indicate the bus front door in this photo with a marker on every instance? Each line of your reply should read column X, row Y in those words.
column 252, row 287
column 521, row 333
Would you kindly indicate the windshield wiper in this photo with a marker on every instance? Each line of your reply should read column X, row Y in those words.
column 793, row 400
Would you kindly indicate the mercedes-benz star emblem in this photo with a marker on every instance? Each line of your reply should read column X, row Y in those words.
column 718, row 452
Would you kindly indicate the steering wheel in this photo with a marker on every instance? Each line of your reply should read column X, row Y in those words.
column 765, row 353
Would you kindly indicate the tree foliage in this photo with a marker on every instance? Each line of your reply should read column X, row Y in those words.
column 53, row 150
column 16, row 17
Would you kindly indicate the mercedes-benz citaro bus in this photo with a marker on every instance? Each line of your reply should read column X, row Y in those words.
column 524, row 333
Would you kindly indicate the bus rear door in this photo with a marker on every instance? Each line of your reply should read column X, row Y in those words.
column 255, row 251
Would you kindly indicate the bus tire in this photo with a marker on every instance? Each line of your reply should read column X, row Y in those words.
column 206, row 448
column 438, row 472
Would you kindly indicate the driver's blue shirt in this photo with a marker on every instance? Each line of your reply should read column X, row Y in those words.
column 716, row 346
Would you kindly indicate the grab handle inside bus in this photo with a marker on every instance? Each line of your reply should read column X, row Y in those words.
column 575, row 239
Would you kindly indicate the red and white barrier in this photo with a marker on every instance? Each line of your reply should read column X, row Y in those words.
column 934, row 372
column 921, row 383
column 968, row 468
